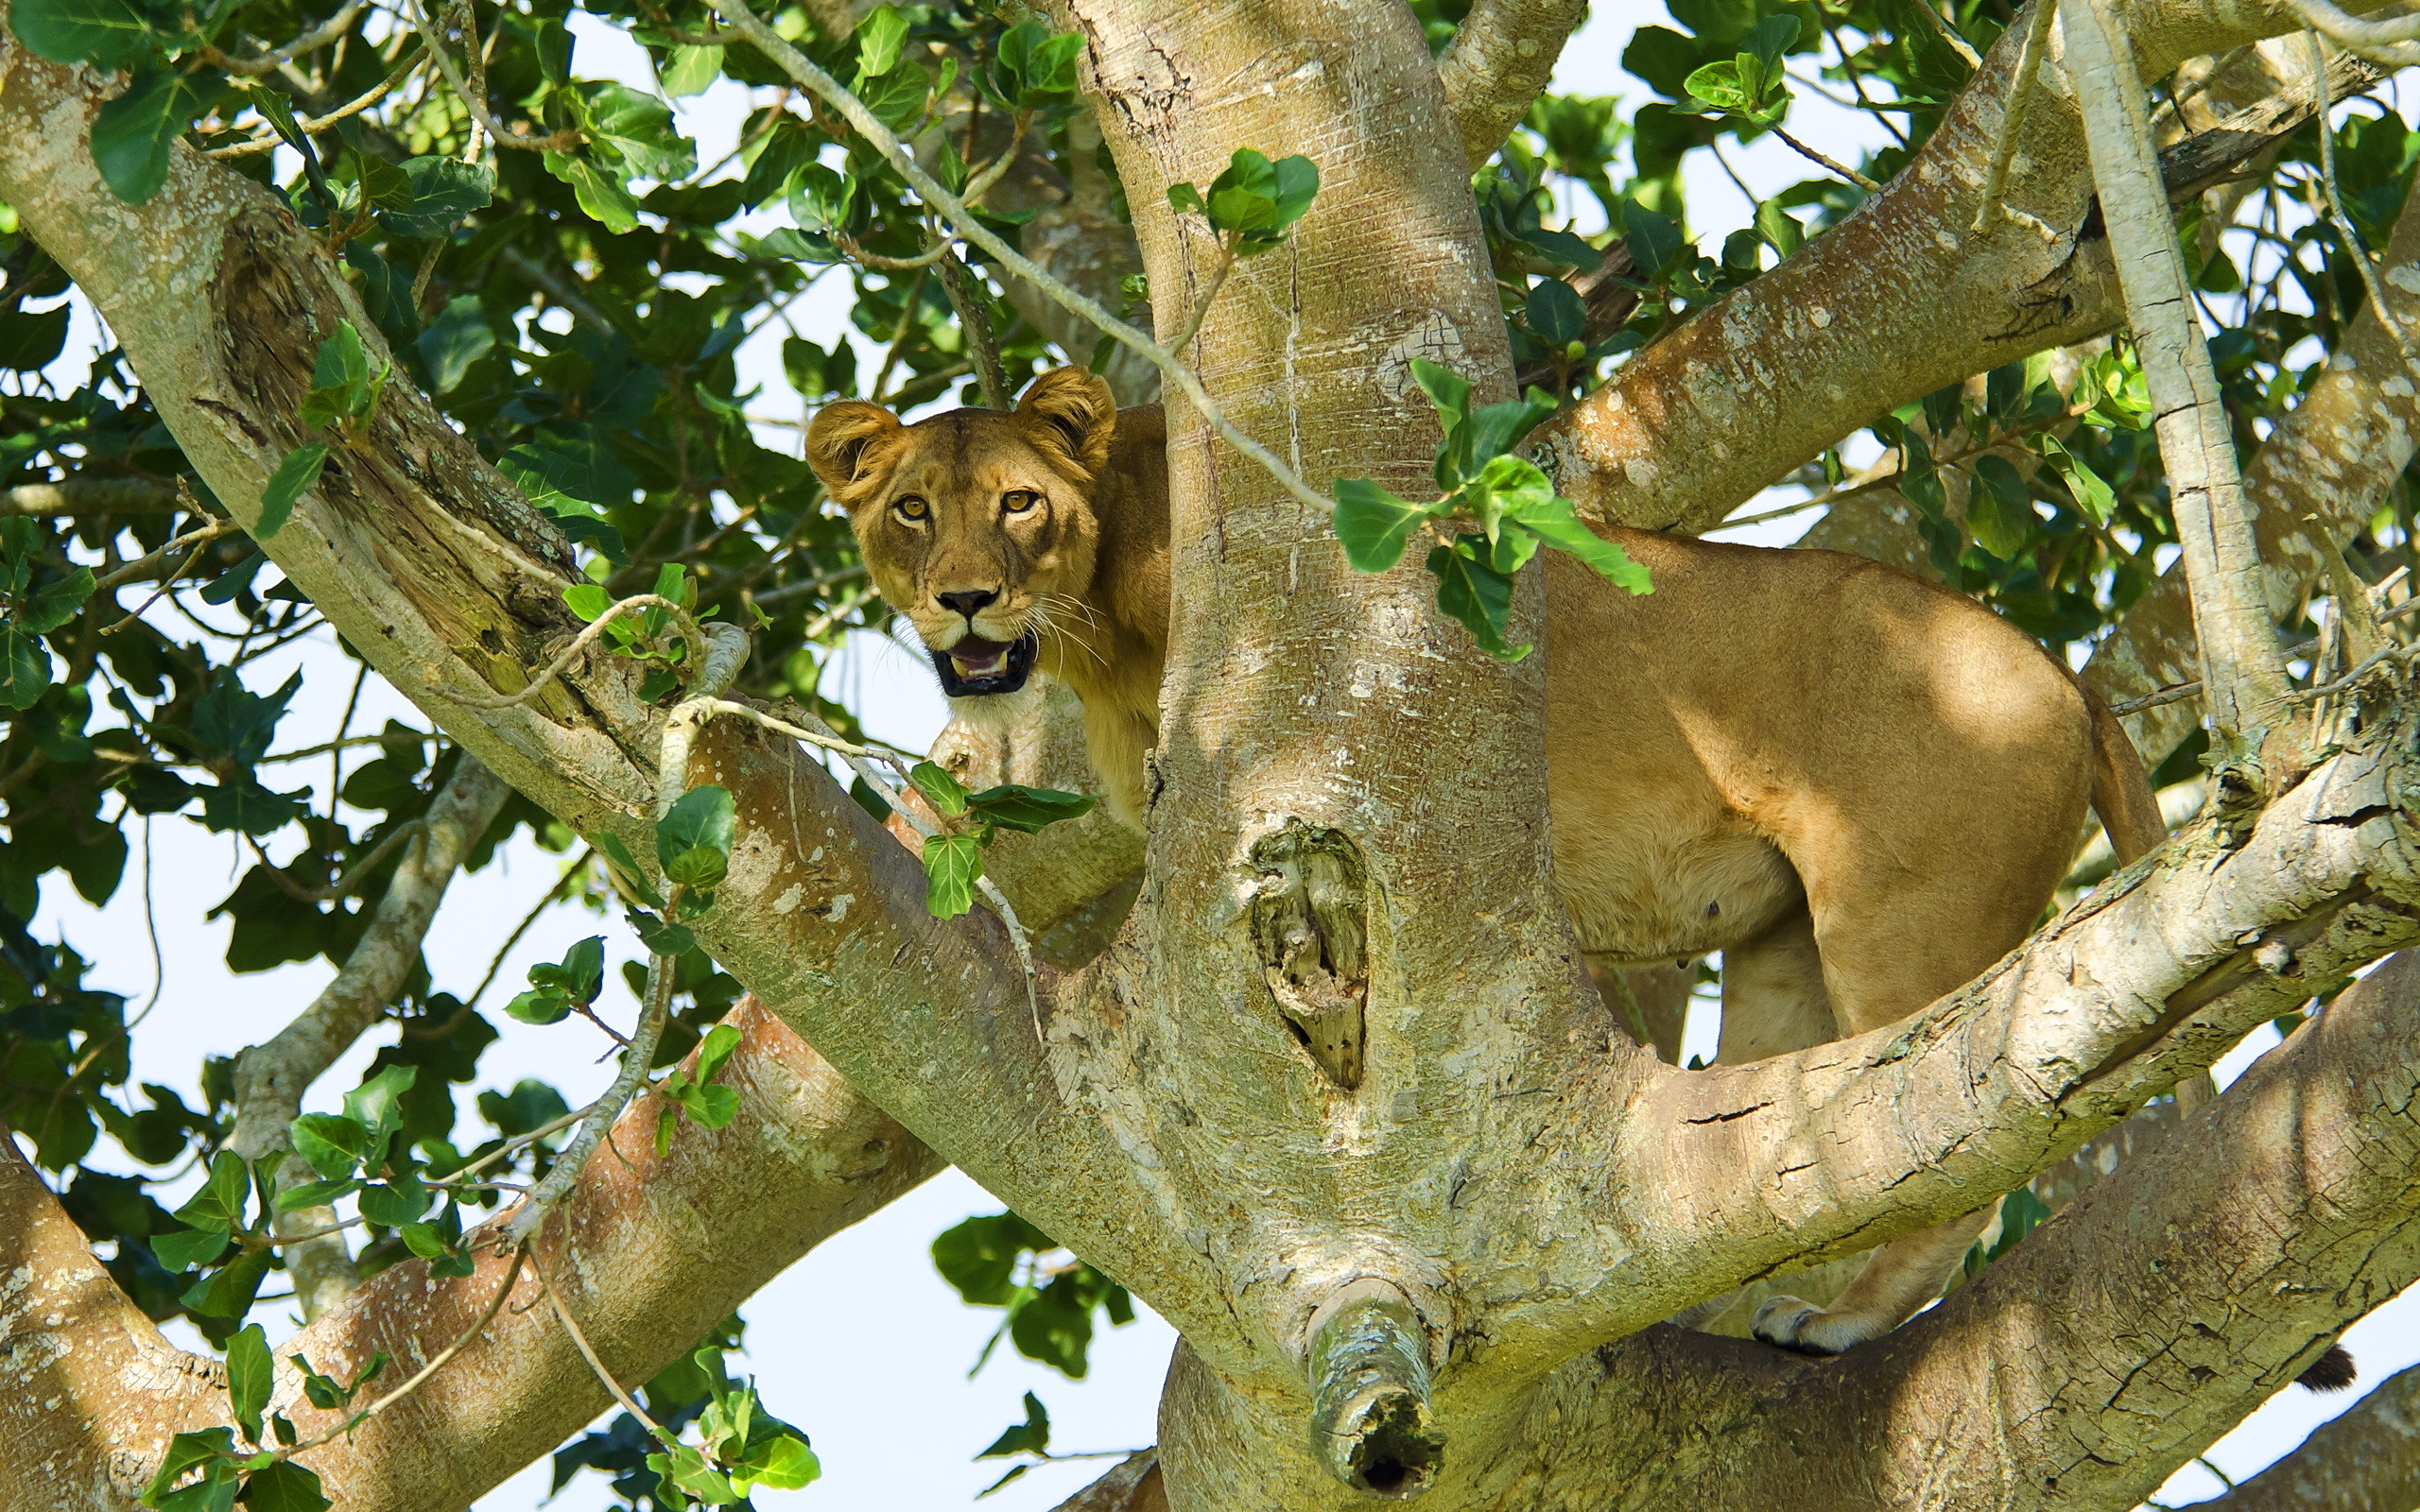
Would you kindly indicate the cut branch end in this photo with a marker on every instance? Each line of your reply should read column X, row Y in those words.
column 1369, row 1366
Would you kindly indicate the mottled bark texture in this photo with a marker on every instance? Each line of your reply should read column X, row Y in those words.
column 651, row 1252
column 1525, row 1176
column 1498, row 63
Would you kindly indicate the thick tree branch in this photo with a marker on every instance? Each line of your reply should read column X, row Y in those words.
column 1804, row 1158
column 2079, row 1371
column 76, row 496
column 652, row 1250
column 271, row 1079
column 1500, row 59
column 2367, row 1460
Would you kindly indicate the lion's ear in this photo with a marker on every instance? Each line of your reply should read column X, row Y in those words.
column 836, row 437
column 1076, row 413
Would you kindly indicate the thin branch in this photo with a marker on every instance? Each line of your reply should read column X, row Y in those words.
column 600, row 1115
column 968, row 299
column 476, row 103
column 343, row 886
column 269, row 141
column 310, row 42
column 81, row 496
column 571, row 1326
column 1842, row 169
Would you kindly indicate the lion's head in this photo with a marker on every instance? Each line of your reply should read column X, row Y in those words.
column 975, row 523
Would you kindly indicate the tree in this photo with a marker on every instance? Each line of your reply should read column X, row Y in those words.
column 560, row 538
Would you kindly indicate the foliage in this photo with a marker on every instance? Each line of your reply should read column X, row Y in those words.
column 576, row 303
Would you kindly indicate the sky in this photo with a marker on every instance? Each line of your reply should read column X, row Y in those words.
column 861, row 1343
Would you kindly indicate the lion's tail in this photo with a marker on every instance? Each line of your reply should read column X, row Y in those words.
column 2121, row 790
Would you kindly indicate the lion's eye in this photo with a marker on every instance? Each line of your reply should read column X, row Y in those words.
column 911, row 507
column 1017, row 501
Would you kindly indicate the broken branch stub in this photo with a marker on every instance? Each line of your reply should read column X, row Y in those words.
column 1310, row 924
column 1368, row 1369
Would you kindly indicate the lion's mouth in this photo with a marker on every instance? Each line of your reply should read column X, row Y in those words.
column 976, row 667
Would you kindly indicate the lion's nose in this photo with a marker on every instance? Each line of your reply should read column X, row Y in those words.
column 970, row 603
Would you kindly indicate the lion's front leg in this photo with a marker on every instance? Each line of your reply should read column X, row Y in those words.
column 1898, row 1279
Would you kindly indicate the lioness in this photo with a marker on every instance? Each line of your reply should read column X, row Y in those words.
column 1860, row 787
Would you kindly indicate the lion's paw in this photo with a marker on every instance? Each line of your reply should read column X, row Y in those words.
column 1801, row 1326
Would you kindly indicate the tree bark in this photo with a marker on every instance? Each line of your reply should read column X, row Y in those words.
column 1499, row 61
column 649, row 1252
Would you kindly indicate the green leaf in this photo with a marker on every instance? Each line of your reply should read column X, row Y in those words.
column 1029, row 810
column 379, row 1102
column 1653, row 240
column 56, row 603
column 333, row 1145
column 1529, row 498
column 1779, row 228
column 458, row 338
column 782, row 1462
column 636, row 129
column 186, row 1452
column 689, row 70
column 600, row 193
column 1029, row 1436
column 251, row 1375
column 2093, row 495
column 1719, row 84
column 25, row 668
column 717, row 1048
column 942, row 790
column 190, row 1249
column 30, row 341
column 1475, row 592
column 313, row 1195
column 693, row 839
column 660, row 938
column 1373, row 525
column 1555, row 313
column 897, row 97
column 229, row 1292
column 109, row 34
column 879, row 36
column 220, row 1202
column 294, row 478
column 438, row 194
column 384, row 185
column 395, row 1203
column 952, row 861
column 618, row 855
column 132, row 133
column 979, row 1256
column 540, row 1006
column 284, row 1486
column 1999, row 509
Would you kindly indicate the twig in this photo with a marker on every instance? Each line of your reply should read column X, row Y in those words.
column 2020, row 94
column 383, row 850
column 554, row 895
column 1201, row 311
column 1842, row 169
column 269, row 141
column 476, row 104
column 554, row 1300
column 2178, row 692
column 141, row 566
column 790, row 60
column 2383, row 42
column 310, row 42
column 600, row 1115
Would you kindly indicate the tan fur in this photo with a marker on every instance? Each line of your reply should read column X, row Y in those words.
column 1859, row 786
